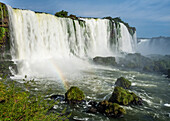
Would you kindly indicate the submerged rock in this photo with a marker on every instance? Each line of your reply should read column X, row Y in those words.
column 74, row 95
column 122, row 82
column 124, row 97
column 58, row 97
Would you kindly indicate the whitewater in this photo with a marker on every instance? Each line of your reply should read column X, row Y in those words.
column 43, row 39
column 57, row 52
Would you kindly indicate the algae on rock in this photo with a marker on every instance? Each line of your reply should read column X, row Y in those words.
column 124, row 97
column 74, row 95
column 122, row 82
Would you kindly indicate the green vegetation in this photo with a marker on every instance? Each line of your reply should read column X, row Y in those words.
column 3, row 11
column 122, row 82
column 4, row 30
column 74, row 95
column 123, row 97
column 19, row 105
column 118, row 19
column 110, row 109
column 2, row 33
column 62, row 14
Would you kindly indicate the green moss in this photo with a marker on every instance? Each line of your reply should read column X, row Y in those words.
column 122, row 82
column 111, row 109
column 122, row 96
column 3, row 11
column 118, row 20
column 74, row 94
column 2, row 33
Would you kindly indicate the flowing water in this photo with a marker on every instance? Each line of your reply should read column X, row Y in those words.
column 57, row 53
column 157, row 45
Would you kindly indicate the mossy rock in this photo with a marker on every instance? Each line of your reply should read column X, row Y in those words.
column 74, row 95
column 110, row 109
column 124, row 97
column 122, row 82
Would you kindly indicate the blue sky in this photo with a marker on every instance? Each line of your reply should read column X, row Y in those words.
column 150, row 17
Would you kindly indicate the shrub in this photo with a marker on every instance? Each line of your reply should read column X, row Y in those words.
column 17, row 105
column 62, row 14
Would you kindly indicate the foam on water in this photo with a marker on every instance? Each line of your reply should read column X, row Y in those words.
column 40, row 41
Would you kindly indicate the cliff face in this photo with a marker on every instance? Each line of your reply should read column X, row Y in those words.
column 5, row 56
column 4, row 28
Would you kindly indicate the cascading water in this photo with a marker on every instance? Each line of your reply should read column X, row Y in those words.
column 37, row 39
column 157, row 45
column 52, row 50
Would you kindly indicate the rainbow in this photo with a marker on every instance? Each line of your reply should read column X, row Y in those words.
column 60, row 75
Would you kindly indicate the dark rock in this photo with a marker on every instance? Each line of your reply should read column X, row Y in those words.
column 122, row 82
column 58, row 97
column 92, row 110
column 124, row 97
column 74, row 95
column 93, row 103
column 110, row 109
column 105, row 60
column 168, row 73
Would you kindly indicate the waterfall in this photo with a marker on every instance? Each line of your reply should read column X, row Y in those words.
column 157, row 45
column 37, row 38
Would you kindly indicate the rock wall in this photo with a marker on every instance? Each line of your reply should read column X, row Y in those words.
column 4, row 28
column 6, row 63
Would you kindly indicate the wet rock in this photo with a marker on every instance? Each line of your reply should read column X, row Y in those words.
column 93, row 103
column 92, row 110
column 106, row 108
column 109, row 61
column 5, row 68
column 110, row 109
column 74, row 95
column 58, row 97
column 124, row 97
column 122, row 82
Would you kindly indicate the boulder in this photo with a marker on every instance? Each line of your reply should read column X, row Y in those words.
column 124, row 97
column 122, row 82
column 106, row 108
column 74, row 95
column 110, row 109
column 109, row 61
